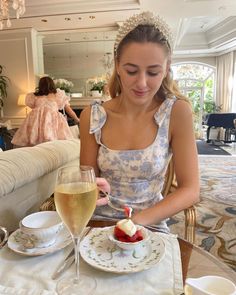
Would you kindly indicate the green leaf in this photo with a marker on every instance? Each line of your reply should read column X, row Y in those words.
column 4, row 80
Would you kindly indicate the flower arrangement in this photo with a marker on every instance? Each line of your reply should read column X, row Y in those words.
column 63, row 84
column 4, row 80
column 98, row 86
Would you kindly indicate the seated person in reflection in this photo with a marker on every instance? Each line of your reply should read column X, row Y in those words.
column 45, row 122
column 130, row 139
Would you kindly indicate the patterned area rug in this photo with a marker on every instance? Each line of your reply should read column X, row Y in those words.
column 216, row 212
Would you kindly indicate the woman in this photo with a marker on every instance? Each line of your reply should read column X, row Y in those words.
column 45, row 122
column 130, row 139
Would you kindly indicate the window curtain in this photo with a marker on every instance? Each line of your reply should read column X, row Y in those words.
column 225, row 65
column 233, row 110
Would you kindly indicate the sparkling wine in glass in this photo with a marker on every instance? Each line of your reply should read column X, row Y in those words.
column 75, row 199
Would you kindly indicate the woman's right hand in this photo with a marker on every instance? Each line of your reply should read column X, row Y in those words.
column 104, row 186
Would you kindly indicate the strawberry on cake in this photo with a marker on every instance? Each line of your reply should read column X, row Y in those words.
column 126, row 231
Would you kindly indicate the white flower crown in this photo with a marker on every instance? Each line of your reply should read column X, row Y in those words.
column 144, row 18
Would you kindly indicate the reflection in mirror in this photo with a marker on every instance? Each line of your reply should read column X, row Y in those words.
column 79, row 57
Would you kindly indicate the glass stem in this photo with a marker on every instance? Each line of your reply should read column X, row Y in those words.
column 76, row 242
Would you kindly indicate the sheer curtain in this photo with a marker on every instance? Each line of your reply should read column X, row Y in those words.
column 225, row 65
column 233, row 110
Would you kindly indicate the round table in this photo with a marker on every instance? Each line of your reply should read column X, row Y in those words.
column 196, row 262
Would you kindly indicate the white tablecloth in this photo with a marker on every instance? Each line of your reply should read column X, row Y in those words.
column 24, row 275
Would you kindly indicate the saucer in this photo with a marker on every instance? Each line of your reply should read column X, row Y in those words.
column 16, row 238
column 101, row 253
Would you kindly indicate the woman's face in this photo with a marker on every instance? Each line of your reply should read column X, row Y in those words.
column 142, row 68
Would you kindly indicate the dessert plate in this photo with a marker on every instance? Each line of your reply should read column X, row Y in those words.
column 17, row 239
column 98, row 251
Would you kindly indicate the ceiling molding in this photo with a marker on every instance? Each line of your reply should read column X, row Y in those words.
column 181, row 31
column 102, row 19
column 222, row 31
column 198, row 25
column 55, row 7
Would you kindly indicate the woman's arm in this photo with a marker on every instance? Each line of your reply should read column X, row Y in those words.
column 185, row 158
column 89, row 146
column 71, row 113
column 89, row 151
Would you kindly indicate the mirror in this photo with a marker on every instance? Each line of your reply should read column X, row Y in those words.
column 79, row 57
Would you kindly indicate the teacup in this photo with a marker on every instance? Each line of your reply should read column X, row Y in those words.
column 211, row 285
column 40, row 229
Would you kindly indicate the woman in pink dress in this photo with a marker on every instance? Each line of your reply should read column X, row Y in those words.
column 45, row 122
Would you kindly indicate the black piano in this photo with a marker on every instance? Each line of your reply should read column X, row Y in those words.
column 225, row 120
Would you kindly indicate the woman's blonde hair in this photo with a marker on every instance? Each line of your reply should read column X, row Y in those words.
column 142, row 34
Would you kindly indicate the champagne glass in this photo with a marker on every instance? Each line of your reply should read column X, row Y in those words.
column 75, row 199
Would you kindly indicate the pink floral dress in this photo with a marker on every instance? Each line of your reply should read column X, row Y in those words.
column 44, row 122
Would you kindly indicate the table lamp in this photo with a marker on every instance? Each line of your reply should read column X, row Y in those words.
column 21, row 101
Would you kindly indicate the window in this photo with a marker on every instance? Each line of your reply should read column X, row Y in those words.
column 197, row 81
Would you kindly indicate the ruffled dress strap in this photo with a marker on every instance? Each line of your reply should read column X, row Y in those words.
column 97, row 119
column 164, row 111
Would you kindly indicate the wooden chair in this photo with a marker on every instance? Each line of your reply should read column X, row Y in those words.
column 48, row 204
column 190, row 214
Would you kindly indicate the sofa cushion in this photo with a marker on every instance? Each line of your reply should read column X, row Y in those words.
column 23, row 165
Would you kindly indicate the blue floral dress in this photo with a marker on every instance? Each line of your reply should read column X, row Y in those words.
column 136, row 176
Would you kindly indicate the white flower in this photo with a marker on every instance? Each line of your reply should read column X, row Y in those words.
column 63, row 84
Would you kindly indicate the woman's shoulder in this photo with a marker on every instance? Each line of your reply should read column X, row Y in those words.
column 181, row 114
column 85, row 114
column 181, row 107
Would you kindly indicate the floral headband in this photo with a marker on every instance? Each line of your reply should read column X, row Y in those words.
column 144, row 18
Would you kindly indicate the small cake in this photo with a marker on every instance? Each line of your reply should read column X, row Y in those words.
column 126, row 231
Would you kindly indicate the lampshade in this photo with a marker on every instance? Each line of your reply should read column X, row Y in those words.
column 21, row 100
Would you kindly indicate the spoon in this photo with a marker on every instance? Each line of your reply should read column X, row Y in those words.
column 109, row 203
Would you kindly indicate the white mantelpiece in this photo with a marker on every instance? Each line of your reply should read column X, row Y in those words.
column 82, row 102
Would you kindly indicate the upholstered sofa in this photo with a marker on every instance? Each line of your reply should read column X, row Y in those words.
column 27, row 177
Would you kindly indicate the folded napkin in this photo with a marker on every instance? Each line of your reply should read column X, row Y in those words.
column 28, row 275
column 165, row 278
column 16, row 291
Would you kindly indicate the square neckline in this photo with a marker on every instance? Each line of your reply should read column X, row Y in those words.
column 157, row 119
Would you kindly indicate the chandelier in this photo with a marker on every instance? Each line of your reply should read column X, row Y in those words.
column 17, row 5
column 107, row 61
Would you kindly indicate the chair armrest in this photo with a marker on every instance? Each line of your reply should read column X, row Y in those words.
column 190, row 224
column 48, row 204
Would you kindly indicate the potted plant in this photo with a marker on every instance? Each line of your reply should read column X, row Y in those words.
column 97, row 88
column 64, row 84
column 3, row 89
